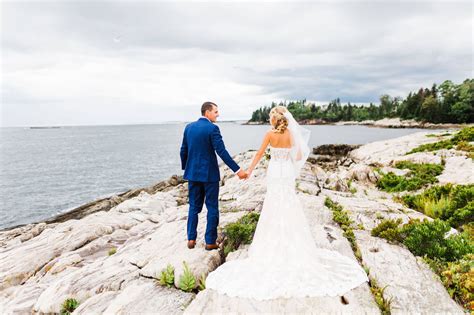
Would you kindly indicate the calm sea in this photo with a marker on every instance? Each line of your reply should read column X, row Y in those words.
column 47, row 171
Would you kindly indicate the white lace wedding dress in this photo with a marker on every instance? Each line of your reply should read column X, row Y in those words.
column 283, row 260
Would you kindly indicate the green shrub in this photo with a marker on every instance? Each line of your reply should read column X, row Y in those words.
column 465, row 146
column 426, row 238
column 167, row 276
column 388, row 229
column 465, row 134
column 449, row 202
column 462, row 195
column 457, row 277
column 419, row 176
column 69, row 306
column 112, row 251
column 240, row 232
column 187, row 281
column 463, row 215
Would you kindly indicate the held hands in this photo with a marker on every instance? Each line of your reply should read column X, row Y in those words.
column 242, row 174
column 249, row 172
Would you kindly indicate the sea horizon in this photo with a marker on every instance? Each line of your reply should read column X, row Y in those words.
column 45, row 172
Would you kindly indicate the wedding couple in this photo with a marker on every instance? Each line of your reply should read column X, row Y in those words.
column 283, row 260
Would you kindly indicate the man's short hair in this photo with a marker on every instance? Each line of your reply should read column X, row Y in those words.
column 207, row 106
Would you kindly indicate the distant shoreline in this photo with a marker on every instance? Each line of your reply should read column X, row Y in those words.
column 382, row 123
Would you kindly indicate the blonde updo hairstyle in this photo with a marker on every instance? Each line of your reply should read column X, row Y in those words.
column 277, row 120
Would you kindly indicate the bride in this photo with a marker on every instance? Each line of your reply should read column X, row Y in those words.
column 283, row 260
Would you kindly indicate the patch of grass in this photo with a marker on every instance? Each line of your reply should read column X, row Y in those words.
column 240, row 232
column 432, row 208
column 68, row 306
column 187, row 281
column 464, row 135
column 419, row 176
column 112, row 251
column 167, row 276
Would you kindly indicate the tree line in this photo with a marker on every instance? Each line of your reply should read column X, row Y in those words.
column 446, row 103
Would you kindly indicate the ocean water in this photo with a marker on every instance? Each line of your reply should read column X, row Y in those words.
column 44, row 172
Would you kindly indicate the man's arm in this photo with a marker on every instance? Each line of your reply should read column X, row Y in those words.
column 184, row 150
column 219, row 147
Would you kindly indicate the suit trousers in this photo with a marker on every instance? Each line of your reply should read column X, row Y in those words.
column 200, row 192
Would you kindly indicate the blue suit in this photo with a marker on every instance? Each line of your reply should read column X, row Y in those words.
column 201, row 141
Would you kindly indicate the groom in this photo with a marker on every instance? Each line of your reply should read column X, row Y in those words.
column 201, row 141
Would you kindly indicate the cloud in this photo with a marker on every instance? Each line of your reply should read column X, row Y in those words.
column 106, row 63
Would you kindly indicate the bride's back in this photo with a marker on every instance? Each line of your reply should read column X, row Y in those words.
column 280, row 140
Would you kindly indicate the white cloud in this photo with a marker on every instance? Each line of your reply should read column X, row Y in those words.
column 105, row 63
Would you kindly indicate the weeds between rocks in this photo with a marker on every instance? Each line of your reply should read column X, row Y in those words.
column 68, row 306
column 341, row 217
column 187, row 281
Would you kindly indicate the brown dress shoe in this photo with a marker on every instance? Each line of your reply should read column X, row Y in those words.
column 211, row 246
column 191, row 244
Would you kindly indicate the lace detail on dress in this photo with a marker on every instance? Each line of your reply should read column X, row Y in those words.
column 280, row 154
column 283, row 259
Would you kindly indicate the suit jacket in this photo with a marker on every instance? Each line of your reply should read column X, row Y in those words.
column 201, row 141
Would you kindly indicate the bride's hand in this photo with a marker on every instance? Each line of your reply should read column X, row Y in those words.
column 249, row 172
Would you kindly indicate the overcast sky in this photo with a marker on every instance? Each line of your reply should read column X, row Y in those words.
column 97, row 62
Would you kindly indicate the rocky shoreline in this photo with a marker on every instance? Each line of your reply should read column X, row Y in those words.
column 108, row 255
column 382, row 123
column 105, row 204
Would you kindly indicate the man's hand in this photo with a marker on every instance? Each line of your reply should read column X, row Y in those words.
column 242, row 174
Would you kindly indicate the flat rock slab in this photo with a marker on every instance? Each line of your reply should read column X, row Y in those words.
column 143, row 295
column 415, row 289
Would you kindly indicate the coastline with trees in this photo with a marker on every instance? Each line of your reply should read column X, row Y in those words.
column 444, row 105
